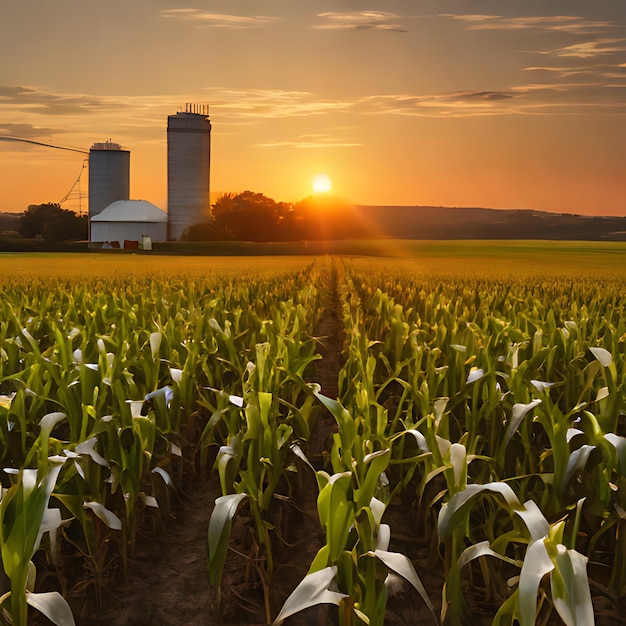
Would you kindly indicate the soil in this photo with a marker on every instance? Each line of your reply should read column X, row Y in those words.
column 167, row 576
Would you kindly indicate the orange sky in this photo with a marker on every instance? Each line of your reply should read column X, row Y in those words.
column 495, row 103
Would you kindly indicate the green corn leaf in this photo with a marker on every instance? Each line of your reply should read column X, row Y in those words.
column 576, row 462
column 401, row 565
column 541, row 386
column 508, row 611
column 50, row 523
column 619, row 443
column 422, row 444
column 53, row 606
column 312, row 590
column 474, row 375
column 23, row 520
column 220, row 525
column 384, row 537
column 443, row 445
column 451, row 513
column 602, row 355
column 265, row 404
column 518, row 414
column 297, row 450
column 602, row 394
column 50, row 420
column 155, row 344
column 227, row 462
column 536, row 523
column 374, row 464
column 236, row 401
column 570, row 588
column 483, row 549
column 458, row 460
column 164, row 475
column 378, row 509
column 336, row 511
column 537, row 564
column 108, row 517
column 321, row 559
column 439, row 407
column 176, row 374
column 88, row 448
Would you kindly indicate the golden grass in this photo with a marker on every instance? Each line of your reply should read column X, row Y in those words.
column 49, row 265
column 462, row 259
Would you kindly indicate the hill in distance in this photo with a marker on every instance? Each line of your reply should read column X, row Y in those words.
column 429, row 222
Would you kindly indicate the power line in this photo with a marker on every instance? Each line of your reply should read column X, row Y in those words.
column 72, row 191
column 40, row 143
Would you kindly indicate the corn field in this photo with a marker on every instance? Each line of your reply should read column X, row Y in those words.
column 487, row 411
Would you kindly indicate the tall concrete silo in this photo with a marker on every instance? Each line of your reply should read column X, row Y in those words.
column 109, row 176
column 188, row 168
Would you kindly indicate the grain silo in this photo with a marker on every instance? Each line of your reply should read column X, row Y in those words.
column 109, row 176
column 188, row 168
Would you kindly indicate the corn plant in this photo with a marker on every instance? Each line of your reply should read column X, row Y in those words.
column 546, row 553
column 355, row 556
column 255, row 459
column 24, row 517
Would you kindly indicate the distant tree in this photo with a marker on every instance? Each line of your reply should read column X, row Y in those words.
column 207, row 231
column 52, row 223
column 224, row 205
column 251, row 216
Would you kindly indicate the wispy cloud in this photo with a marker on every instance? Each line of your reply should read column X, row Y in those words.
column 471, row 96
column 361, row 20
column 34, row 100
column 308, row 142
column 271, row 103
column 234, row 106
column 28, row 131
column 556, row 23
column 16, row 137
column 589, row 49
column 35, row 113
column 218, row 20
column 454, row 104
column 545, row 89
column 558, row 98
column 599, row 71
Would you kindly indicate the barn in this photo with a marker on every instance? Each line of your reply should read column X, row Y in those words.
column 128, row 220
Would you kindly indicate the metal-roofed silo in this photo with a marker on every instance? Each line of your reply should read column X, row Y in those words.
column 188, row 168
column 109, row 176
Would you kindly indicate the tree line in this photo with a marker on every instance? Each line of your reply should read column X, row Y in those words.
column 252, row 216
column 52, row 223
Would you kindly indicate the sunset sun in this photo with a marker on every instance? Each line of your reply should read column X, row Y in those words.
column 322, row 184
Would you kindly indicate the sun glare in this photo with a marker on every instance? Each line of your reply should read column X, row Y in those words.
column 322, row 184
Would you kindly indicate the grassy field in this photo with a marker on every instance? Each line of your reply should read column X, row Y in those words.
column 48, row 265
column 488, row 258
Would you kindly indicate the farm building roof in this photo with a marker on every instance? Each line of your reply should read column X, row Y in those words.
column 131, row 211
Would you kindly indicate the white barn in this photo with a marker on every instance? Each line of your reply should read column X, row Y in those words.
column 128, row 220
